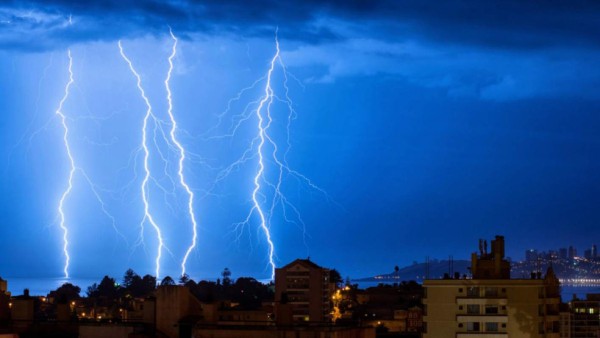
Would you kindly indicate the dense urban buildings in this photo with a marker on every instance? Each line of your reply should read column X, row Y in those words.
column 222, row 309
column 571, row 268
column 307, row 300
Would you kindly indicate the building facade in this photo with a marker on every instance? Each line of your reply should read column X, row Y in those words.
column 303, row 293
column 585, row 317
column 491, row 304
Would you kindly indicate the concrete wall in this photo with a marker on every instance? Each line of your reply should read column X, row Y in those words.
column 173, row 303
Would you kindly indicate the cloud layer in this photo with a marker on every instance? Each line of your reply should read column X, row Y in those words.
column 507, row 25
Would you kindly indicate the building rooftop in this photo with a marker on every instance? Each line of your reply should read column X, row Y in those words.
column 306, row 262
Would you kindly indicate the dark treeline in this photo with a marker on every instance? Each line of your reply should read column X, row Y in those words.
column 245, row 292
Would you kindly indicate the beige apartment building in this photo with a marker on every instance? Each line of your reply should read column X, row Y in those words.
column 491, row 304
column 303, row 292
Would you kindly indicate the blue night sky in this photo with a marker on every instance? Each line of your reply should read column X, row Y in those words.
column 424, row 125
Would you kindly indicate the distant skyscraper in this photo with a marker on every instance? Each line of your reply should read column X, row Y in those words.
column 594, row 251
column 563, row 253
column 531, row 255
column 572, row 252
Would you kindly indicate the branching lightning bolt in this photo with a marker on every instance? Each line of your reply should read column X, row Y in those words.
column 144, row 145
column 181, row 152
column 72, row 169
column 267, row 99
column 258, row 148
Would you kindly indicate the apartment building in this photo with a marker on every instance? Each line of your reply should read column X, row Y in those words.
column 491, row 304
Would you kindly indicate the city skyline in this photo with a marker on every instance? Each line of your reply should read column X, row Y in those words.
column 420, row 129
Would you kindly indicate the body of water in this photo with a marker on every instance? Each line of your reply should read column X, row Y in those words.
column 42, row 286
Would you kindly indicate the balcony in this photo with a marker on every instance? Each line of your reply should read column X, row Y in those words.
column 497, row 318
column 481, row 301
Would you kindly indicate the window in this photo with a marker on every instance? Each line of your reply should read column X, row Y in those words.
column 473, row 291
column 491, row 309
column 491, row 327
column 504, row 325
column 473, row 327
column 460, row 307
column 491, row 292
column 460, row 290
column 473, row 309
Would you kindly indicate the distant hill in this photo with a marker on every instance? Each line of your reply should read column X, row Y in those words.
column 417, row 271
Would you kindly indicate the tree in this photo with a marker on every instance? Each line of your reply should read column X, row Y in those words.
column 108, row 288
column 107, row 293
column 129, row 278
column 92, row 290
column 335, row 277
column 184, row 279
column 167, row 281
column 66, row 293
column 149, row 282
column 226, row 277
column 250, row 293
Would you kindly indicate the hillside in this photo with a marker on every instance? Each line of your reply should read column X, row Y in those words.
column 417, row 271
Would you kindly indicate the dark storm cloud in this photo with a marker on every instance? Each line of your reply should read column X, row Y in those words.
column 499, row 24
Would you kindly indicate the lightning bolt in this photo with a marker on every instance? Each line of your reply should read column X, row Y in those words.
column 265, row 188
column 144, row 145
column 72, row 169
column 181, row 152
column 262, row 134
